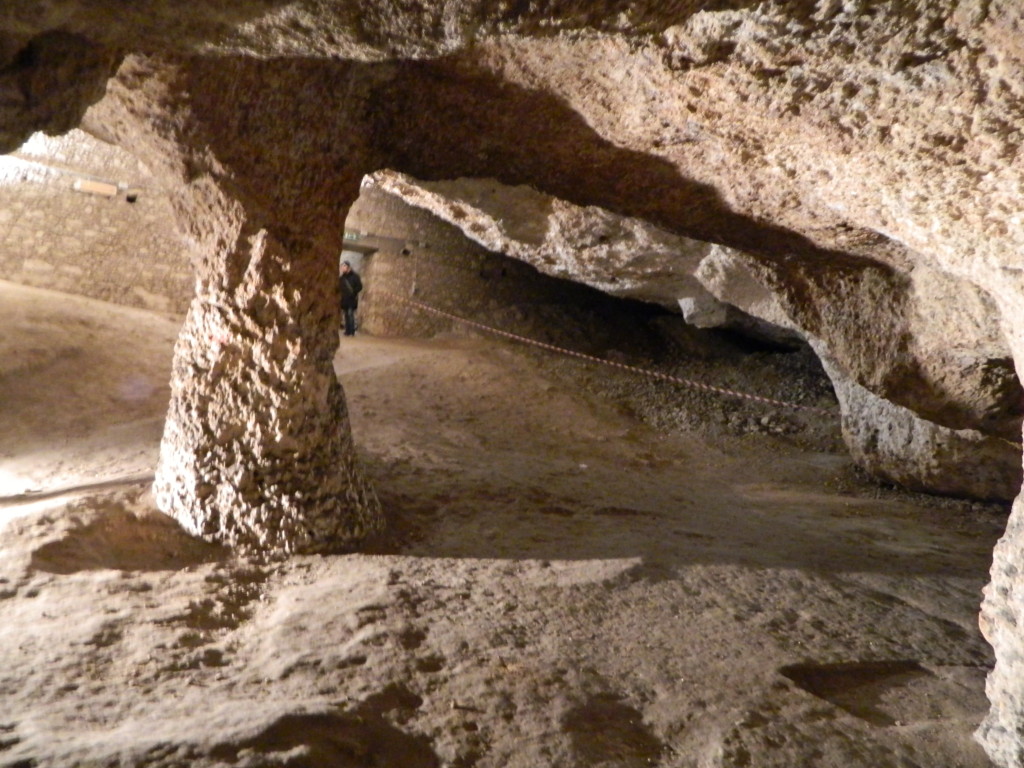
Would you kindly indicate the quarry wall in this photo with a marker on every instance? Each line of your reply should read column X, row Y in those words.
column 54, row 237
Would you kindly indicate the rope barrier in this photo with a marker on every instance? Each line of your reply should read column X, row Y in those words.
column 611, row 363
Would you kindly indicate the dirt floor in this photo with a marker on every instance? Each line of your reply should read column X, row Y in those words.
column 579, row 571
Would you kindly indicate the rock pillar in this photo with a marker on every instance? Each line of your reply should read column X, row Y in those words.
column 1002, row 623
column 1002, row 610
column 257, row 451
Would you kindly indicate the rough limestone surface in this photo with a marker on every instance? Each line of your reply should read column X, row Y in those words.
column 847, row 143
column 924, row 340
column 888, row 440
column 892, row 443
column 1002, row 733
column 48, row 77
column 257, row 451
column 929, row 342
column 620, row 255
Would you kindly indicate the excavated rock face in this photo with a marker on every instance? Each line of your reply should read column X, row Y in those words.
column 865, row 154
column 950, row 415
column 925, row 378
column 619, row 255
column 46, row 82
column 257, row 449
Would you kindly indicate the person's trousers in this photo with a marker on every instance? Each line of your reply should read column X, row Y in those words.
column 350, row 320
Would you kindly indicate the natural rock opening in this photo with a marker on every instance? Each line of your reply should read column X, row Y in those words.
column 917, row 410
column 430, row 276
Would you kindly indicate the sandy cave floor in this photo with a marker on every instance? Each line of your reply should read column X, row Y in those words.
column 562, row 585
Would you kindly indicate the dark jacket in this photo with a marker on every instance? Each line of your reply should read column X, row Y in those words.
column 349, row 285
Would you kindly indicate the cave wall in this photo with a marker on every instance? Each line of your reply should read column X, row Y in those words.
column 618, row 255
column 48, row 75
column 54, row 237
column 844, row 146
column 929, row 396
column 418, row 258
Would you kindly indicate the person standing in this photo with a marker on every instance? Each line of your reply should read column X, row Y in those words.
column 349, row 286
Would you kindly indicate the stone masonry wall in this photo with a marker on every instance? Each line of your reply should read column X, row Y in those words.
column 107, row 248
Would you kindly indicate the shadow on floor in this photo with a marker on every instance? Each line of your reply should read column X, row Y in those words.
column 110, row 535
